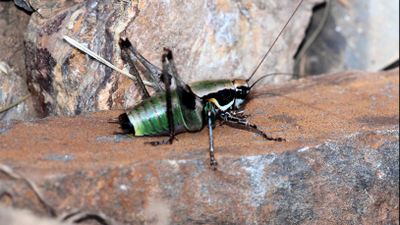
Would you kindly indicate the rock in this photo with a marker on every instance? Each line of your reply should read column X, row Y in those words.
column 12, row 89
column 339, row 165
column 11, row 216
column 358, row 34
column 210, row 39
column 13, row 23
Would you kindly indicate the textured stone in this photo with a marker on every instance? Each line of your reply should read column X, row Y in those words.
column 340, row 164
column 13, row 23
column 11, row 216
column 12, row 89
column 359, row 34
column 210, row 39
column 13, row 86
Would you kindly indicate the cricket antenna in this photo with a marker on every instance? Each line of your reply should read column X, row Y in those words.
column 272, row 74
column 273, row 43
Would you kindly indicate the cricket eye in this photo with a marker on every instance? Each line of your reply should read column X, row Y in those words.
column 241, row 92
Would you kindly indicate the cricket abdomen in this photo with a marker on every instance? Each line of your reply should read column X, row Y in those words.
column 149, row 118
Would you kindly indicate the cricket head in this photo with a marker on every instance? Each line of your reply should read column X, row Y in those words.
column 242, row 89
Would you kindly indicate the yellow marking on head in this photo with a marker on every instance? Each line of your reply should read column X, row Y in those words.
column 223, row 108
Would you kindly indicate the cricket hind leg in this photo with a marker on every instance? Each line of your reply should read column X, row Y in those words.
column 127, row 59
column 154, row 71
column 167, row 78
column 123, row 119
column 243, row 124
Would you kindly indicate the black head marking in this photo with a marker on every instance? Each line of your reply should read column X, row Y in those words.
column 242, row 92
column 223, row 97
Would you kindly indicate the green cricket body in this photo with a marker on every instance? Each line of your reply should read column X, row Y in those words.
column 149, row 117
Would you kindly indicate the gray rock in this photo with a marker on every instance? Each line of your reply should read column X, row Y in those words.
column 359, row 34
column 12, row 89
